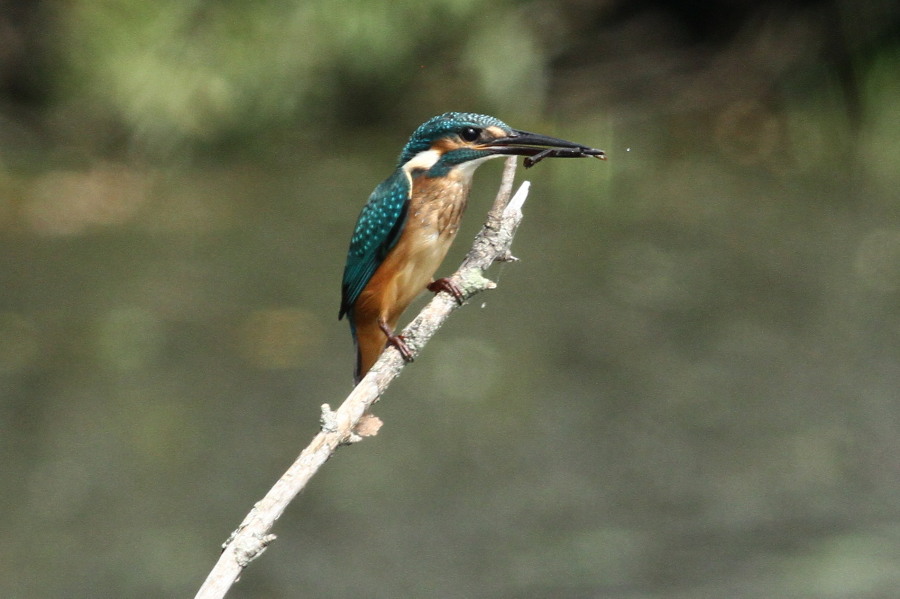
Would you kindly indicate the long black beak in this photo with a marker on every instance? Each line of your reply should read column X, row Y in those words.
column 538, row 147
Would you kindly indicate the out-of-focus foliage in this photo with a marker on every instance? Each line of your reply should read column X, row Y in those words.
column 880, row 127
column 182, row 71
column 687, row 388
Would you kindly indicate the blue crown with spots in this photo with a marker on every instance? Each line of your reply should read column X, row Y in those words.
column 443, row 125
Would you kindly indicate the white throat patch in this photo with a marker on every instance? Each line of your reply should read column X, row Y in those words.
column 428, row 158
column 469, row 167
column 425, row 160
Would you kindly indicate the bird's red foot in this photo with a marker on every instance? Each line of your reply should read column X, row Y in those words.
column 397, row 341
column 445, row 284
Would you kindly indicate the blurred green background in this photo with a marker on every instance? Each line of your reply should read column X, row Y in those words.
column 687, row 388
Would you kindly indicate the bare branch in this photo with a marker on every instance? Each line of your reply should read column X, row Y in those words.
column 351, row 422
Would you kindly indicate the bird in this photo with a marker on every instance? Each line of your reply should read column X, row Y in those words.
column 411, row 218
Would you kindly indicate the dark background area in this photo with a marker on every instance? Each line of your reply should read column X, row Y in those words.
column 687, row 388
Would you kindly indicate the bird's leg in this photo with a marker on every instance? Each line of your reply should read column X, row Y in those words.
column 396, row 340
column 445, row 284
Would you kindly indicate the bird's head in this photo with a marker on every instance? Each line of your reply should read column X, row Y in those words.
column 465, row 140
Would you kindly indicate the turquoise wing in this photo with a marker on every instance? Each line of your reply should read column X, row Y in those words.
column 377, row 230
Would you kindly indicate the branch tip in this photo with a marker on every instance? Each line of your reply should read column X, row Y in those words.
column 514, row 207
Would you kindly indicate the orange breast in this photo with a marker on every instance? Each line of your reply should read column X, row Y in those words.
column 435, row 212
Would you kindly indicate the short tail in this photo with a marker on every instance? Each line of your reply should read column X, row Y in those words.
column 357, row 369
column 369, row 341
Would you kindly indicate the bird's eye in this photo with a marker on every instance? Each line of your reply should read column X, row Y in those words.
column 470, row 134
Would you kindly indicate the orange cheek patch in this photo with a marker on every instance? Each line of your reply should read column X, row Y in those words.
column 446, row 144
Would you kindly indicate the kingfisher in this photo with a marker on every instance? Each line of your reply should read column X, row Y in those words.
column 410, row 220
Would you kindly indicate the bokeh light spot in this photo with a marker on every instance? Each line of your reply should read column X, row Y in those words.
column 70, row 202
